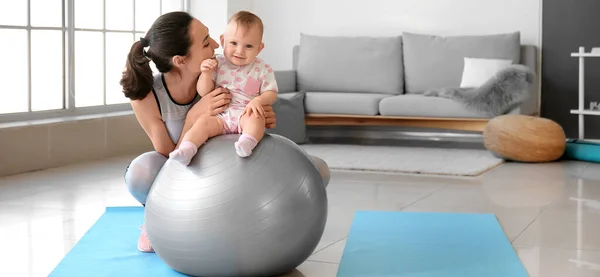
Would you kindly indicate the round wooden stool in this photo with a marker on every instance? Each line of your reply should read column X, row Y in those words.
column 524, row 138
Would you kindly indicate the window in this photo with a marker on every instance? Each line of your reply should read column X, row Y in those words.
column 65, row 57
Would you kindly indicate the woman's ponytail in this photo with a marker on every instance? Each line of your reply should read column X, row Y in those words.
column 137, row 78
column 167, row 37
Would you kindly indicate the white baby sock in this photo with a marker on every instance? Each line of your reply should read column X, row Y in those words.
column 245, row 145
column 184, row 153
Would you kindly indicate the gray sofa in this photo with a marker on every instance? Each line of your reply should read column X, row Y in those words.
column 386, row 76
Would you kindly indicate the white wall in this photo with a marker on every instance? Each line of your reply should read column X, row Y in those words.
column 285, row 20
column 213, row 13
column 234, row 6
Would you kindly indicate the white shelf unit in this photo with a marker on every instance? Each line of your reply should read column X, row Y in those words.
column 581, row 111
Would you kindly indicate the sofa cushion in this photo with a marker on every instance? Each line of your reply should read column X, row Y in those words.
column 289, row 111
column 347, row 103
column 416, row 105
column 433, row 62
column 286, row 81
column 350, row 64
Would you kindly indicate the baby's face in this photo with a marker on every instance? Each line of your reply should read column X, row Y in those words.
column 241, row 45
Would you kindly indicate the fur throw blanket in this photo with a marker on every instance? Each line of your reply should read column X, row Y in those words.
column 499, row 95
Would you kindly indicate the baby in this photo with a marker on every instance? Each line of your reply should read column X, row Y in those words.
column 249, row 79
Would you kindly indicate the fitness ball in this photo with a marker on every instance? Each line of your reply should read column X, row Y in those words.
column 223, row 215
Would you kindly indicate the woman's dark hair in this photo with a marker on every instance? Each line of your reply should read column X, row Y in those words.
column 167, row 37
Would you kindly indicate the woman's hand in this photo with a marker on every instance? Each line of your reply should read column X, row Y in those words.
column 213, row 103
column 270, row 120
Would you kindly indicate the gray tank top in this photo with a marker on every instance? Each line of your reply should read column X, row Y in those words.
column 173, row 114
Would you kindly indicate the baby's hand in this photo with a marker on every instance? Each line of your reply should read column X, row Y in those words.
column 208, row 65
column 254, row 107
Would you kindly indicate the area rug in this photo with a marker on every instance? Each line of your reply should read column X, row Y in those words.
column 422, row 244
column 415, row 160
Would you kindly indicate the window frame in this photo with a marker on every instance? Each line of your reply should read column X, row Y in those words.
column 68, row 49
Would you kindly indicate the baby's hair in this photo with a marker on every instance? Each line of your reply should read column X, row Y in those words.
column 246, row 20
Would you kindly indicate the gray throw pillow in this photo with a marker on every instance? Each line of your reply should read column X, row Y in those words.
column 289, row 110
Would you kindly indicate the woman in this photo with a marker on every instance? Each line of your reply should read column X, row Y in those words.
column 166, row 104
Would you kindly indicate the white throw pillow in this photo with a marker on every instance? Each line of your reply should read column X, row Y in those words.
column 478, row 71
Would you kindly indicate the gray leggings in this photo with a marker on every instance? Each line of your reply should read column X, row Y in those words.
column 142, row 171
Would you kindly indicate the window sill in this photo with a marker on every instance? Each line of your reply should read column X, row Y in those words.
column 62, row 119
column 63, row 115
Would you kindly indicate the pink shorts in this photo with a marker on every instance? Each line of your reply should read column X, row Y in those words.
column 231, row 120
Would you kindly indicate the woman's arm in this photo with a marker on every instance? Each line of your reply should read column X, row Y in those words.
column 147, row 113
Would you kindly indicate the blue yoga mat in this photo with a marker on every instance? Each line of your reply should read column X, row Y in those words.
column 411, row 244
column 582, row 150
column 109, row 248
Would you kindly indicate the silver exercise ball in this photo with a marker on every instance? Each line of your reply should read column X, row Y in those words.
column 229, row 216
